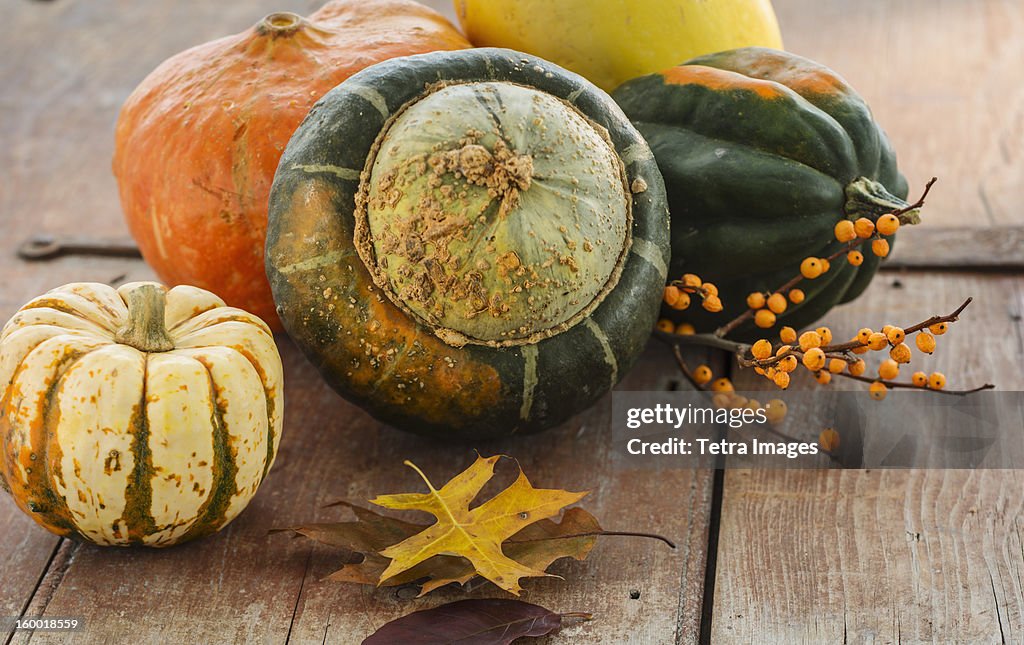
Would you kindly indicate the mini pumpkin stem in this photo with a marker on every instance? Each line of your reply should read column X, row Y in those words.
column 280, row 23
column 868, row 198
column 145, row 329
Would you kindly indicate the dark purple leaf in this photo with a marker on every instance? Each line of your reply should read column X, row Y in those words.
column 494, row 621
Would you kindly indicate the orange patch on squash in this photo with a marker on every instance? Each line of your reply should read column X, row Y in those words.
column 383, row 353
column 815, row 82
column 804, row 81
column 720, row 79
column 419, row 371
column 803, row 77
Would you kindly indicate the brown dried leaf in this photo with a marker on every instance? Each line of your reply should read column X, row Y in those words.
column 541, row 543
column 371, row 532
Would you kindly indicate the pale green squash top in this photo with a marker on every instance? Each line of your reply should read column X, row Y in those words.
column 494, row 213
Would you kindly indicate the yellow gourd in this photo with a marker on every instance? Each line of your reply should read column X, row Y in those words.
column 612, row 41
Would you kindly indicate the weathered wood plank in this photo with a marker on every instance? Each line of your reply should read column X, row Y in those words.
column 68, row 83
column 963, row 248
column 945, row 81
column 881, row 556
column 25, row 552
column 999, row 248
column 885, row 556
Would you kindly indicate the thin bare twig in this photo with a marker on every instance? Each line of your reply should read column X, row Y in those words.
column 911, row 386
column 920, row 200
column 653, row 536
column 934, row 320
column 701, row 340
column 685, row 369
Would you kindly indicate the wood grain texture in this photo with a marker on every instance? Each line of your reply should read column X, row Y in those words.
column 925, row 247
column 25, row 553
column 885, row 556
column 944, row 79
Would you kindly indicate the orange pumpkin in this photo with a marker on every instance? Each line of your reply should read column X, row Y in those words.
column 198, row 142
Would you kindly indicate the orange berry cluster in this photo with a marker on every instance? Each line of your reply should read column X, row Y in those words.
column 677, row 296
column 807, row 348
column 893, row 338
column 677, row 293
column 864, row 229
column 724, row 395
column 766, row 306
column 812, row 350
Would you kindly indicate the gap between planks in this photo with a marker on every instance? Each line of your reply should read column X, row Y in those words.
column 52, row 576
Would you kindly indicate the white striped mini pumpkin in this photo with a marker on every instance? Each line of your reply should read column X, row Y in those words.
column 139, row 415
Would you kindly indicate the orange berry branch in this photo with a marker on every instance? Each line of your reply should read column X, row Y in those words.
column 816, row 352
column 814, row 349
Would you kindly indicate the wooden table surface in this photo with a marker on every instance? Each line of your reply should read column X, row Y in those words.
column 764, row 556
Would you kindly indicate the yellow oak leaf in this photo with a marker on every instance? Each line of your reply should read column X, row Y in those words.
column 475, row 534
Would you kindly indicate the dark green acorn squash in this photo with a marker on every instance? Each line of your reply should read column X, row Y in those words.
column 762, row 153
column 468, row 244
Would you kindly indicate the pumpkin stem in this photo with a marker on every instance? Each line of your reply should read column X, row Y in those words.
column 145, row 329
column 280, row 23
column 868, row 198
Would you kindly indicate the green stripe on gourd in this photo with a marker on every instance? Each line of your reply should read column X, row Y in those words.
column 137, row 517
column 762, row 153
